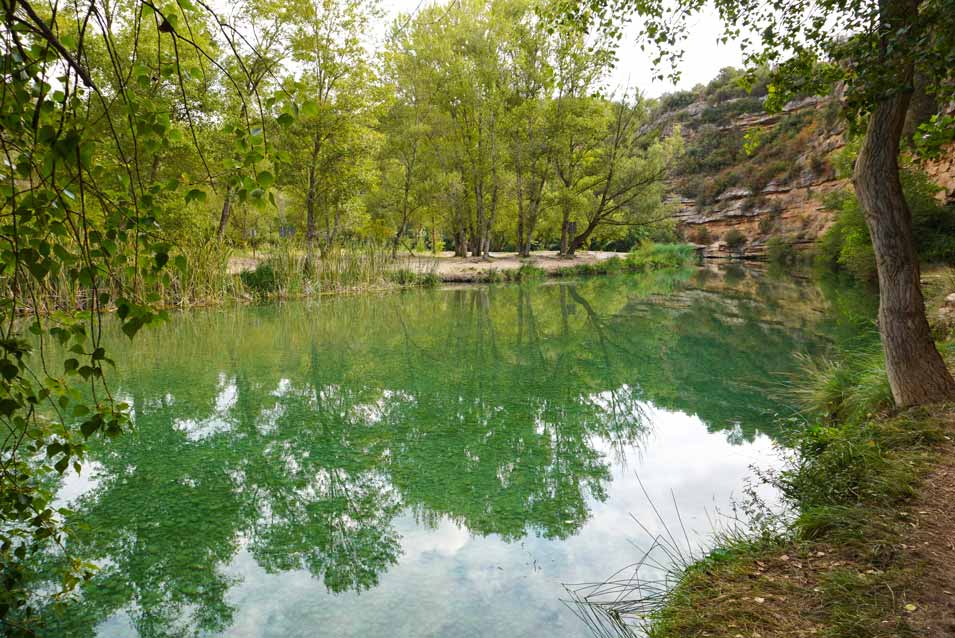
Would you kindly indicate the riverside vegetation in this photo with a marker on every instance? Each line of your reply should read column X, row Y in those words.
column 845, row 558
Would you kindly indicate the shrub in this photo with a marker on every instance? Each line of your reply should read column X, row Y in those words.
column 261, row 281
column 766, row 225
column 847, row 245
column 735, row 240
column 702, row 235
column 527, row 272
column 405, row 277
column 650, row 256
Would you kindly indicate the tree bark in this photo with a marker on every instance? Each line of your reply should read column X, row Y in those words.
column 224, row 215
column 310, row 221
column 917, row 373
column 564, row 237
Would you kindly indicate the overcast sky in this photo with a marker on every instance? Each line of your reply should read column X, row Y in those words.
column 703, row 60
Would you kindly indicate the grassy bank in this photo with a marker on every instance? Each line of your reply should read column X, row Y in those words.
column 855, row 557
column 202, row 273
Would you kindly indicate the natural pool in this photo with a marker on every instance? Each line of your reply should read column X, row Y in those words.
column 429, row 462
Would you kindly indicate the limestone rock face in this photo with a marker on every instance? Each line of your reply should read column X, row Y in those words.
column 942, row 172
column 789, row 207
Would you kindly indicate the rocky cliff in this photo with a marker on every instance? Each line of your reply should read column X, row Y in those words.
column 763, row 175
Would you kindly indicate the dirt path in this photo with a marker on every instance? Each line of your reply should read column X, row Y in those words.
column 450, row 268
column 932, row 546
column 462, row 269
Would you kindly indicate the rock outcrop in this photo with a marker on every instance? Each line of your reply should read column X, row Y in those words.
column 791, row 207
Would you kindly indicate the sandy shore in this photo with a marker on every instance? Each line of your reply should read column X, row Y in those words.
column 460, row 269
column 450, row 268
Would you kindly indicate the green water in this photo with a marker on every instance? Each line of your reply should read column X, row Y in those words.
column 425, row 463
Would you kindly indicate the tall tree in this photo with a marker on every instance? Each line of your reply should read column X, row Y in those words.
column 625, row 185
column 329, row 142
column 529, row 56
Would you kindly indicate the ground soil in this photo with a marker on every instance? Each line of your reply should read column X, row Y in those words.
column 932, row 546
column 451, row 268
column 461, row 269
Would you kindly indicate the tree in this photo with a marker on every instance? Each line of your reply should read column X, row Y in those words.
column 93, row 99
column 328, row 144
column 529, row 54
column 624, row 187
column 876, row 51
column 405, row 127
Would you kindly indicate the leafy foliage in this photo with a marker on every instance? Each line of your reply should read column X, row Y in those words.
column 89, row 111
column 846, row 245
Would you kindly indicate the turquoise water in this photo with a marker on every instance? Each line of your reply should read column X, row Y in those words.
column 429, row 462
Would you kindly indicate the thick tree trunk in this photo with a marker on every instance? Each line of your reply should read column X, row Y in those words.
column 917, row 373
column 573, row 242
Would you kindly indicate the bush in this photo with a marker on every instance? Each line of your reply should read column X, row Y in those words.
column 702, row 235
column 527, row 272
column 406, row 277
column 847, row 245
column 261, row 281
column 735, row 240
column 650, row 256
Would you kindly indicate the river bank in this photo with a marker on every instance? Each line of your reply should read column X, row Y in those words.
column 449, row 268
column 286, row 276
column 867, row 550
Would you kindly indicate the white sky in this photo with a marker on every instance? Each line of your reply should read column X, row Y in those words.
column 703, row 59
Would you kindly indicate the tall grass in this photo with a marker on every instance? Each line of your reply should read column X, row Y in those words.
column 201, row 276
column 646, row 257
column 653, row 256
column 197, row 273
column 848, row 389
column 287, row 272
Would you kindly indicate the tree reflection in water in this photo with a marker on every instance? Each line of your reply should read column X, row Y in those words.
column 299, row 433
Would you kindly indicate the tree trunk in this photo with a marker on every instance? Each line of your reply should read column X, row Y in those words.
column 917, row 373
column 520, row 221
column 224, row 216
column 572, row 242
column 579, row 240
column 310, row 222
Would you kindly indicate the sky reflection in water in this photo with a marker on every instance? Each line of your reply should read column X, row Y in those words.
column 429, row 463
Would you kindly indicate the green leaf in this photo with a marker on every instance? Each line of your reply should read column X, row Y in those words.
column 265, row 179
column 89, row 427
column 309, row 108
